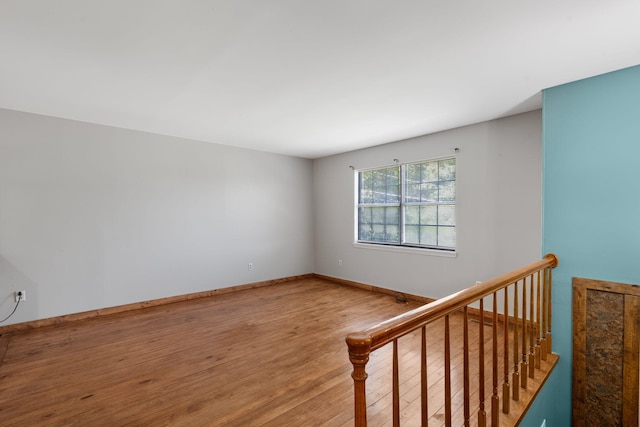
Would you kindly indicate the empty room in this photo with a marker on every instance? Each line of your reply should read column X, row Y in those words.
column 338, row 213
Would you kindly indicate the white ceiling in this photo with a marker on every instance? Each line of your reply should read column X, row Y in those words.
column 300, row 77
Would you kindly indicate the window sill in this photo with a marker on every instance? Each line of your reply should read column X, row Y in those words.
column 406, row 249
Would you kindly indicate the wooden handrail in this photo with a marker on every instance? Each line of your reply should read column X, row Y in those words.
column 385, row 332
column 532, row 328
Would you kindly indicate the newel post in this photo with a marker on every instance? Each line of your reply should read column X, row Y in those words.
column 359, row 350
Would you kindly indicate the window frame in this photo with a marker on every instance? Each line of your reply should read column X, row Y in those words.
column 402, row 245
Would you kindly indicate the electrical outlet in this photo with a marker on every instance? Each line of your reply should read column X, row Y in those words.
column 21, row 295
column 250, row 266
column 478, row 282
column 339, row 263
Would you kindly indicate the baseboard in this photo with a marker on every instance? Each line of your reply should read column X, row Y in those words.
column 51, row 321
column 373, row 288
column 474, row 313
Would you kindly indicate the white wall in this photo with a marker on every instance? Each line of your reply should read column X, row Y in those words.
column 94, row 216
column 498, row 208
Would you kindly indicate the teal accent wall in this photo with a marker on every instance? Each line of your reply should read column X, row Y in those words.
column 591, row 205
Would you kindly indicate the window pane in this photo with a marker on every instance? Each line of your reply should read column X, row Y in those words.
column 428, row 215
column 411, row 234
column 393, row 185
column 377, row 216
column 412, row 193
column 379, row 224
column 392, row 215
column 447, row 236
column 412, row 215
column 378, row 233
column 384, row 215
column 428, row 235
column 365, row 232
column 392, row 175
column 447, row 170
column 379, row 194
column 431, row 171
column 446, row 215
column 429, row 193
column 413, row 174
column 385, row 234
column 364, row 215
column 392, row 195
column 364, row 224
column 365, row 194
column 379, row 177
column 447, row 191
column 392, row 234
column 380, row 186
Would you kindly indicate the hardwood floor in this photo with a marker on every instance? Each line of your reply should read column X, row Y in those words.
column 272, row 356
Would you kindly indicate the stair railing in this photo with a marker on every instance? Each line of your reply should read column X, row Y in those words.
column 524, row 325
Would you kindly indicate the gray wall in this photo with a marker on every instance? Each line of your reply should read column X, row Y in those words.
column 498, row 208
column 94, row 216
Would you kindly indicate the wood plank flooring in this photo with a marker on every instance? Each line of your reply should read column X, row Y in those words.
column 272, row 356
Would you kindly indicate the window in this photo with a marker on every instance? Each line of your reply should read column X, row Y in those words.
column 412, row 204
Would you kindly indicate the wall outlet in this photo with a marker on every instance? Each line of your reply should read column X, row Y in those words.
column 250, row 266
column 478, row 282
column 339, row 263
column 21, row 295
